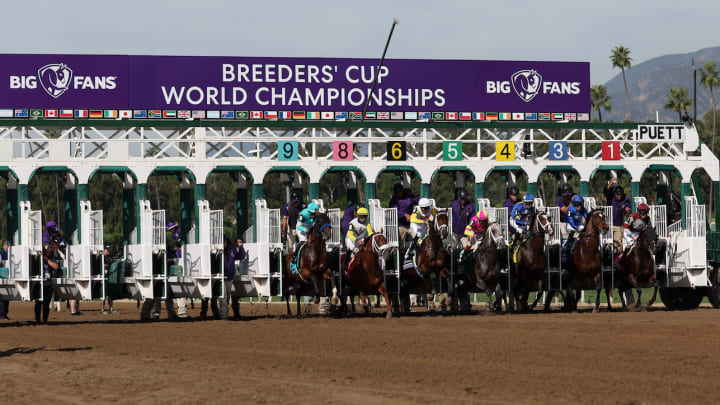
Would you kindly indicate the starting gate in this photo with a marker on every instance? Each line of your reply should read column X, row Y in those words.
column 24, row 264
column 606, row 247
column 261, row 274
column 499, row 216
column 552, row 250
column 85, row 261
column 688, row 267
column 146, row 259
column 386, row 221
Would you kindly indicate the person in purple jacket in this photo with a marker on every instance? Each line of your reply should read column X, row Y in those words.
column 564, row 201
column 621, row 207
column 405, row 203
column 290, row 212
column 348, row 216
column 231, row 254
column 462, row 211
column 513, row 195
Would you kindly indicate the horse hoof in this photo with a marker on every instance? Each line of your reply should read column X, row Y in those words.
column 335, row 301
column 316, row 300
column 388, row 315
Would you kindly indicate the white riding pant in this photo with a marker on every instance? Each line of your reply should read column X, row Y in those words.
column 418, row 230
column 629, row 238
column 302, row 236
column 349, row 244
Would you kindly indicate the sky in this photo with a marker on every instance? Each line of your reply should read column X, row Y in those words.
column 499, row 30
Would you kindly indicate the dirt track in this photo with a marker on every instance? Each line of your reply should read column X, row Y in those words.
column 643, row 357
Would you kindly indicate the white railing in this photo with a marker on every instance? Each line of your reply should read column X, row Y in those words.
column 92, row 227
column 336, row 237
column 268, row 223
column 590, row 204
column 554, row 217
column 212, row 221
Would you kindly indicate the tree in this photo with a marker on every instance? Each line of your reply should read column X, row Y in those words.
column 599, row 99
column 621, row 58
column 709, row 79
column 678, row 101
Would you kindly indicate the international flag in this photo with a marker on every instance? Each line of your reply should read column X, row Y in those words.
column 505, row 116
column 298, row 115
column 198, row 115
column 356, row 115
column 479, row 116
column 213, row 115
column 424, row 115
column 583, row 117
column 383, row 115
column 51, row 113
column 438, row 116
column 151, row 114
column 558, row 116
column 96, row 113
column 285, row 115
column 341, row 115
column 531, row 116
column 110, row 114
column 396, row 115
column 227, row 115
column 140, row 114
column 370, row 115
column 169, row 114
column 313, row 115
column 24, row 113
column 518, row 116
column 242, row 115
column 465, row 116
column 126, row 114
column 10, row 113
column 256, row 115
column 451, row 116
column 66, row 113
column 491, row 116
column 570, row 116
column 184, row 114
column 327, row 115
column 411, row 116
column 36, row 113
column 544, row 116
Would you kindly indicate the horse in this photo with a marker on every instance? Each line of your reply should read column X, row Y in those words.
column 587, row 259
column 487, row 264
column 365, row 275
column 433, row 261
column 531, row 261
column 312, row 266
column 638, row 266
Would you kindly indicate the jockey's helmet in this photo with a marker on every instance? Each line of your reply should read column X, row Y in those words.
column 424, row 203
column 529, row 198
column 51, row 225
column 482, row 216
column 643, row 209
column 171, row 226
column 512, row 190
column 578, row 201
column 362, row 211
column 313, row 207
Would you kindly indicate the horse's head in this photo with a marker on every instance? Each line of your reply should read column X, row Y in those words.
column 541, row 222
column 597, row 221
column 378, row 245
column 441, row 224
column 323, row 227
column 494, row 235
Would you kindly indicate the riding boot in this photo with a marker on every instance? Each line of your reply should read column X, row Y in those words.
column 410, row 250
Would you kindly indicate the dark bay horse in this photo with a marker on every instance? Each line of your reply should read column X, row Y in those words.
column 365, row 275
column 433, row 261
column 587, row 259
column 638, row 267
column 529, row 268
column 487, row 264
column 312, row 266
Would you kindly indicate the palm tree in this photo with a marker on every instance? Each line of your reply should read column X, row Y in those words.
column 621, row 58
column 709, row 79
column 678, row 101
column 599, row 99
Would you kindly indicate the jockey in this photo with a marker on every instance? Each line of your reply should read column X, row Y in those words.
column 473, row 231
column 575, row 222
column 635, row 224
column 513, row 194
column 359, row 229
column 305, row 222
column 424, row 213
column 290, row 213
column 52, row 232
column 519, row 215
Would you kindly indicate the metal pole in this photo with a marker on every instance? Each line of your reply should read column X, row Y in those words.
column 694, row 91
column 377, row 72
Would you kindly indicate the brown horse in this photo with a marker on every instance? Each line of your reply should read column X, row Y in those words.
column 487, row 264
column 529, row 266
column 365, row 275
column 638, row 267
column 312, row 266
column 433, row 261
column 587, row 258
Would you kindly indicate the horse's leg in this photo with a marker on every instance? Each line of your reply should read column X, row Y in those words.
column 334, row 299
column 316, row 286
column 652, row 299
column 548, row 301
column 639, row 298
column 286, row 295
column 608, row 292
column 297, row 300
column 385, row 295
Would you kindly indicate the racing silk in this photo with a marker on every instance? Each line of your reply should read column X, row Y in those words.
column 50, row 235
column 519, row 214
column 635, row 224
column 359, row 230
column 618, row 207
column 405, row 206
column 461, row 216
column 474, row 228
column 509, row 204
column 304, row 221
column 347, row 217
column 575, row 216
column 418, row 217
column 289, row 211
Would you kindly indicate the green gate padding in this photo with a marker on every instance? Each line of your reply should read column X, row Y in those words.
column 4, row 272
column 176, row 270
column 116, row 273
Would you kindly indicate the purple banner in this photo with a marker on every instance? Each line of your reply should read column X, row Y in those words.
column 304, row 84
